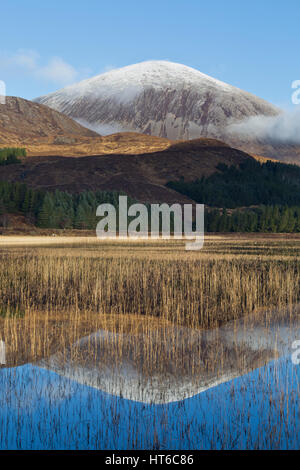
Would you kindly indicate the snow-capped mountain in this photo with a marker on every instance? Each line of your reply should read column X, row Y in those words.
column 159, row 98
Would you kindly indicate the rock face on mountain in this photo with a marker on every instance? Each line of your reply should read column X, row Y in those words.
column 158, row 98
column 168, row 100
column 23, row 121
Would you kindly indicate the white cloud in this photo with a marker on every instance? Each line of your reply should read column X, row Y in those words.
column 58, row 71
column 284, row 128
column 28, row 62
column 25, row 59
column 103, row 129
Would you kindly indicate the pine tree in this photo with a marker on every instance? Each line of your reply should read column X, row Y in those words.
column 45, row 216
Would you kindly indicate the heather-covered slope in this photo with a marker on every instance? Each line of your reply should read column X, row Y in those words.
column 141, row 176
column 24, row 121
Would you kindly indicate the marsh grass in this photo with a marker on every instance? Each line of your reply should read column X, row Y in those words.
column 152, row 345
column 165, row 357
column 158, row 306
column 226, row 280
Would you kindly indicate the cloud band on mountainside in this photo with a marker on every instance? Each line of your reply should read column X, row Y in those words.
column 284, row 128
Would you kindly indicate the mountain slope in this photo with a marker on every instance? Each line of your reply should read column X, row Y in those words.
column 24, row 120
column 169, row 100
column 141, row 176
column 159, row 98
column 44, row 131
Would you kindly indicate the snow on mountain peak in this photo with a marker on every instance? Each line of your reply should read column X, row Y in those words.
column 159, row 98
column 127, row 82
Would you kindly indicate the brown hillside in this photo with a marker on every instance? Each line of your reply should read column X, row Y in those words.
column 140, row 176
column 43, row 131
column 22, row 121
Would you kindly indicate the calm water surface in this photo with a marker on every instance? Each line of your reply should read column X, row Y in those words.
column 249, row 399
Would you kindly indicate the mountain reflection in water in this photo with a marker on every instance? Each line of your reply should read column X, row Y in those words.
column 164, row 386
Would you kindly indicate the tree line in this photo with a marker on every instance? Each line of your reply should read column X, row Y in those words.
column 251, row 183
column 59, row 209
column 11, row 155
column 64, row 210
column 273, row 219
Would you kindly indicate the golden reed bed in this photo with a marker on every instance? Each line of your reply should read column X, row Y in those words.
column 229, row 278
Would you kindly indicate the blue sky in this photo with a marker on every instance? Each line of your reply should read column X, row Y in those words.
column 47, row 45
